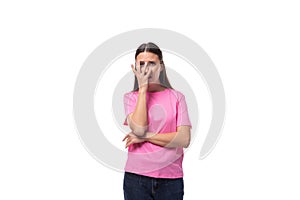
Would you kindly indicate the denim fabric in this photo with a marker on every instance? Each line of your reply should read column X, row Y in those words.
column 137, row 187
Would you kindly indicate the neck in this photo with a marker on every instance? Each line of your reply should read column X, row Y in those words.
column 155, row 87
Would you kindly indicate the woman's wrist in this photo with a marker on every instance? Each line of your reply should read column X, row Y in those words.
column 142, row 90
column 148, row 136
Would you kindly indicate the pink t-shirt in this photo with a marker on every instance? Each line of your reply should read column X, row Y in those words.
column 167, row 110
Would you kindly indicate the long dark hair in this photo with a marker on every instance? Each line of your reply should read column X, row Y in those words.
column 153, row 48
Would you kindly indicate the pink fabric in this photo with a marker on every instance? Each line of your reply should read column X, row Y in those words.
column 166, row 111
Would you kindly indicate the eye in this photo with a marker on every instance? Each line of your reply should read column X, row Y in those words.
column 152, row 64
column 142, row 63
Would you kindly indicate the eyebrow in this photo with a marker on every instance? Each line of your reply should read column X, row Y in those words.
column 152, row 62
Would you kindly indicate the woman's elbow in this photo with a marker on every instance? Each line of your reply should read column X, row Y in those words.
column 186, row 141
column 136, row 129
column 184, row 136
column 186, row 144
column 139, row 132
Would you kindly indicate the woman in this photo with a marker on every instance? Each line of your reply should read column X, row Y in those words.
column 160, row 127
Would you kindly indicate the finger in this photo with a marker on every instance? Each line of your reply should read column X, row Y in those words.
column 131, row 134
column 148, row 73
column 126, row 136
column 128, row 143
column 144, row 68
column 133, row 69
column 138, row 67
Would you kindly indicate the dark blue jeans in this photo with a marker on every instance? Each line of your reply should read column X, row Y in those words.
column 137, row 187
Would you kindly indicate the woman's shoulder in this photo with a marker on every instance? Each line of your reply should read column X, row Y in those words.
column 131, row 94
column 176, row 93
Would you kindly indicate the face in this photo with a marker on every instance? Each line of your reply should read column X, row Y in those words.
column 152, row 61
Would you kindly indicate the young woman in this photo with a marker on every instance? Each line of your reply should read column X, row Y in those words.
column 160, row 127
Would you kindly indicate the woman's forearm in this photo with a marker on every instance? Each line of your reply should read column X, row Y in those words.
column 170, row 140
column 139, row 120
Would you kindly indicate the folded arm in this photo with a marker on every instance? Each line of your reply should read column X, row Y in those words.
column 180, row 138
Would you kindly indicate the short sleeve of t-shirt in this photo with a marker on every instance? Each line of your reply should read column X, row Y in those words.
column 182, row 116
column 129, row 105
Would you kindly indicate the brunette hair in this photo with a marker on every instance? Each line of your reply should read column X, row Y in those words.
column 153, row 48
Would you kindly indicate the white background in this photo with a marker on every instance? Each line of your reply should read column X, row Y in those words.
column 254, row 45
